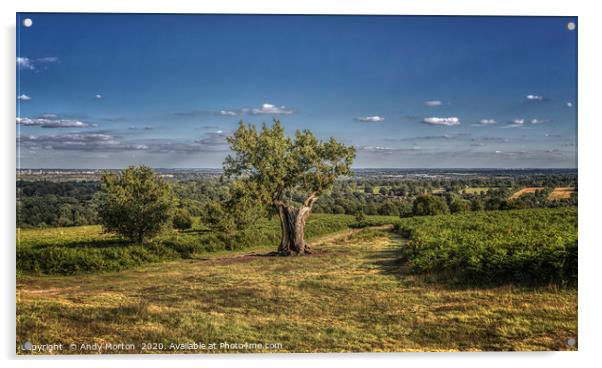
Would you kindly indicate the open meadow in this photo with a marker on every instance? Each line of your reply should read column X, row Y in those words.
column 359, row 290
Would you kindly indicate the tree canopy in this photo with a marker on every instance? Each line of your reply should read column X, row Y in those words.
column 135, row 203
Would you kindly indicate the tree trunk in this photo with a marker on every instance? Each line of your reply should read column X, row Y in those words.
column 292, row 222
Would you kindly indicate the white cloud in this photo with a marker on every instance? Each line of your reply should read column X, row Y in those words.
column 98, row 97
column 264, row 109
column 268, row 108
column 449, row 121
column 386, row 150
column 535, row 98
column 487, row 122
column 433, row 103
column 78, row 142
column 370, row 119
column 24, row 97
column 48, row 59
column 569, row 104
column 523, row 122
column 518, row 122
column 25, row 63
column 52, row 121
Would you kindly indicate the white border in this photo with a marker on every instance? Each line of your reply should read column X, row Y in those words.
column 590, row 26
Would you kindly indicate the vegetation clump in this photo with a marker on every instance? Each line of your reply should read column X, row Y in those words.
column 534, row 247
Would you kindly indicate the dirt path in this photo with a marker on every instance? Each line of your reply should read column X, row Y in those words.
column 316, row 242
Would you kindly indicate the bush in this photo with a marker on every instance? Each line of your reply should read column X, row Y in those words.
column 360, row 220
column 182, row 219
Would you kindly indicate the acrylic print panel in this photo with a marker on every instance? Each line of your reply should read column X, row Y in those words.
column 191, row 184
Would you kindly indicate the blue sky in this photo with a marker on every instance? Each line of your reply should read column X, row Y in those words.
column 111, row 90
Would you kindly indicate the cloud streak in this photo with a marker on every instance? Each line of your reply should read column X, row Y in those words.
column 370, row 119
column 52, row 121
column 264, row 109
column 94, row 142
column 487, row 122
column 25, row 63
column 534, row 98
column 433, row 103
column 448, row 121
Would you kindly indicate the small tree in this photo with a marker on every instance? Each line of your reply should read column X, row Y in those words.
column 360, row 219
column 428, row 205
column 273, row 168
column 135, row 203
column 182, row 219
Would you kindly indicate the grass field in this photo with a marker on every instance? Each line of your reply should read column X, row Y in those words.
column 85, row 249
column 524, row 191
column 350, row 295
column 561, row 193
column 477, row 190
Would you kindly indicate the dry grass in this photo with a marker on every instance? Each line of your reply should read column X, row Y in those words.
column 524, row 191
column 350, row 295
column 561, row 193
column 476, row 190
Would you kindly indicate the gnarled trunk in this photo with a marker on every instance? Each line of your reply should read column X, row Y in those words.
column 292, row 222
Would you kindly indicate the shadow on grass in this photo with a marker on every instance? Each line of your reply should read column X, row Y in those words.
column 388, row 261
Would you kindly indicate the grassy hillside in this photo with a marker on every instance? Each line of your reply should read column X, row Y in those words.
column 349, row 295
column 84, row 249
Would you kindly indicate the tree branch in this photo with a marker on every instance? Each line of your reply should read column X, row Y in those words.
column 311, row 199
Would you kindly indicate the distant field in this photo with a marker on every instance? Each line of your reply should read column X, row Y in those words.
column 477, row 190
column 561, row 193
column 524, row 191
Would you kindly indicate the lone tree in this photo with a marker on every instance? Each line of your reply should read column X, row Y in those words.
column 135, row 203
column 286, row 174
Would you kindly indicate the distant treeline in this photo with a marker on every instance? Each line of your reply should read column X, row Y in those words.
column 74, row 203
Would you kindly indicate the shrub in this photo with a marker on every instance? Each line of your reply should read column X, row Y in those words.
column 182, row 219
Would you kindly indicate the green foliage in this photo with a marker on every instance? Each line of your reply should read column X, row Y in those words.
column 274, row 167
column 46, row 203
column 135, row 203
column 182, row 219
column 459, row 205
column 429, row 205
column 360, row 220
column 535, row 246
